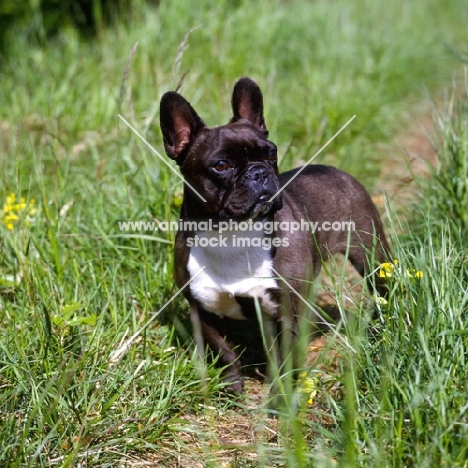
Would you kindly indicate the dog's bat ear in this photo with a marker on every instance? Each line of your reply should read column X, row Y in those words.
column 247, row 103
column 179, row 124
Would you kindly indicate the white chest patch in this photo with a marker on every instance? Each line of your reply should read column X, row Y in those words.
column 233, row 267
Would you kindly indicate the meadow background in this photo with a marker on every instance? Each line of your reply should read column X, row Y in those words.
column 83, row 380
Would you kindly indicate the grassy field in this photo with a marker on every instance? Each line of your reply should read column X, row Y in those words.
column 90, row 375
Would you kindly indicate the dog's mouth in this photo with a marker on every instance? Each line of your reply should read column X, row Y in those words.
column 261, row 208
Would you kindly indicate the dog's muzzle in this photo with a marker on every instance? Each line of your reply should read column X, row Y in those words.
column 262, row 181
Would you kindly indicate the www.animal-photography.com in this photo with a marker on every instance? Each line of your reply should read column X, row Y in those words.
column 233, row 234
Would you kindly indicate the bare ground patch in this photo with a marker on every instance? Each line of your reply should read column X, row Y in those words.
column 411, row 154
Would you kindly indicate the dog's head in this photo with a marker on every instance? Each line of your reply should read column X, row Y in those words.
column 234, row 166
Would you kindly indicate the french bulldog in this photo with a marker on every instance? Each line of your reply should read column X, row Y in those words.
column 244, row 242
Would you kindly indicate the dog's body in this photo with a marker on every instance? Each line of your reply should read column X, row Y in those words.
column 234, row 168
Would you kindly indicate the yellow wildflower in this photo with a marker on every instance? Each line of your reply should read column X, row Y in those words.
column 412, row 273
column 177, row 199
column 308, row 386
column 380, row 300
column 13, row 211
column 386, row 270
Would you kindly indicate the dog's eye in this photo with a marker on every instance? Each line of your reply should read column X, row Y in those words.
column 272, row 155
column 222, row 165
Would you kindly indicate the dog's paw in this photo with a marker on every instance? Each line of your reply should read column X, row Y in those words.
column 234, row 384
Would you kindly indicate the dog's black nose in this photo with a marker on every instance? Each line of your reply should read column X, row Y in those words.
column 264, row 198
column 257, row 173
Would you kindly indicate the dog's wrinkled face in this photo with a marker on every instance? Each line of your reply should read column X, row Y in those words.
column 239, row 177
column 234, row 167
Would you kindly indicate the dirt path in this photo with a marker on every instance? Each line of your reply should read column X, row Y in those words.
column 408, row 156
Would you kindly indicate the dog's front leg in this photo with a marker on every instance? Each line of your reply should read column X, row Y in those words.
column 210, row 329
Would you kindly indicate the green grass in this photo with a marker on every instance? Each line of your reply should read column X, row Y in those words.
column 410, row 393
column 74, row 289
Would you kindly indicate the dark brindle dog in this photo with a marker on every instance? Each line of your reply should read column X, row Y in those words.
column 234, row 168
